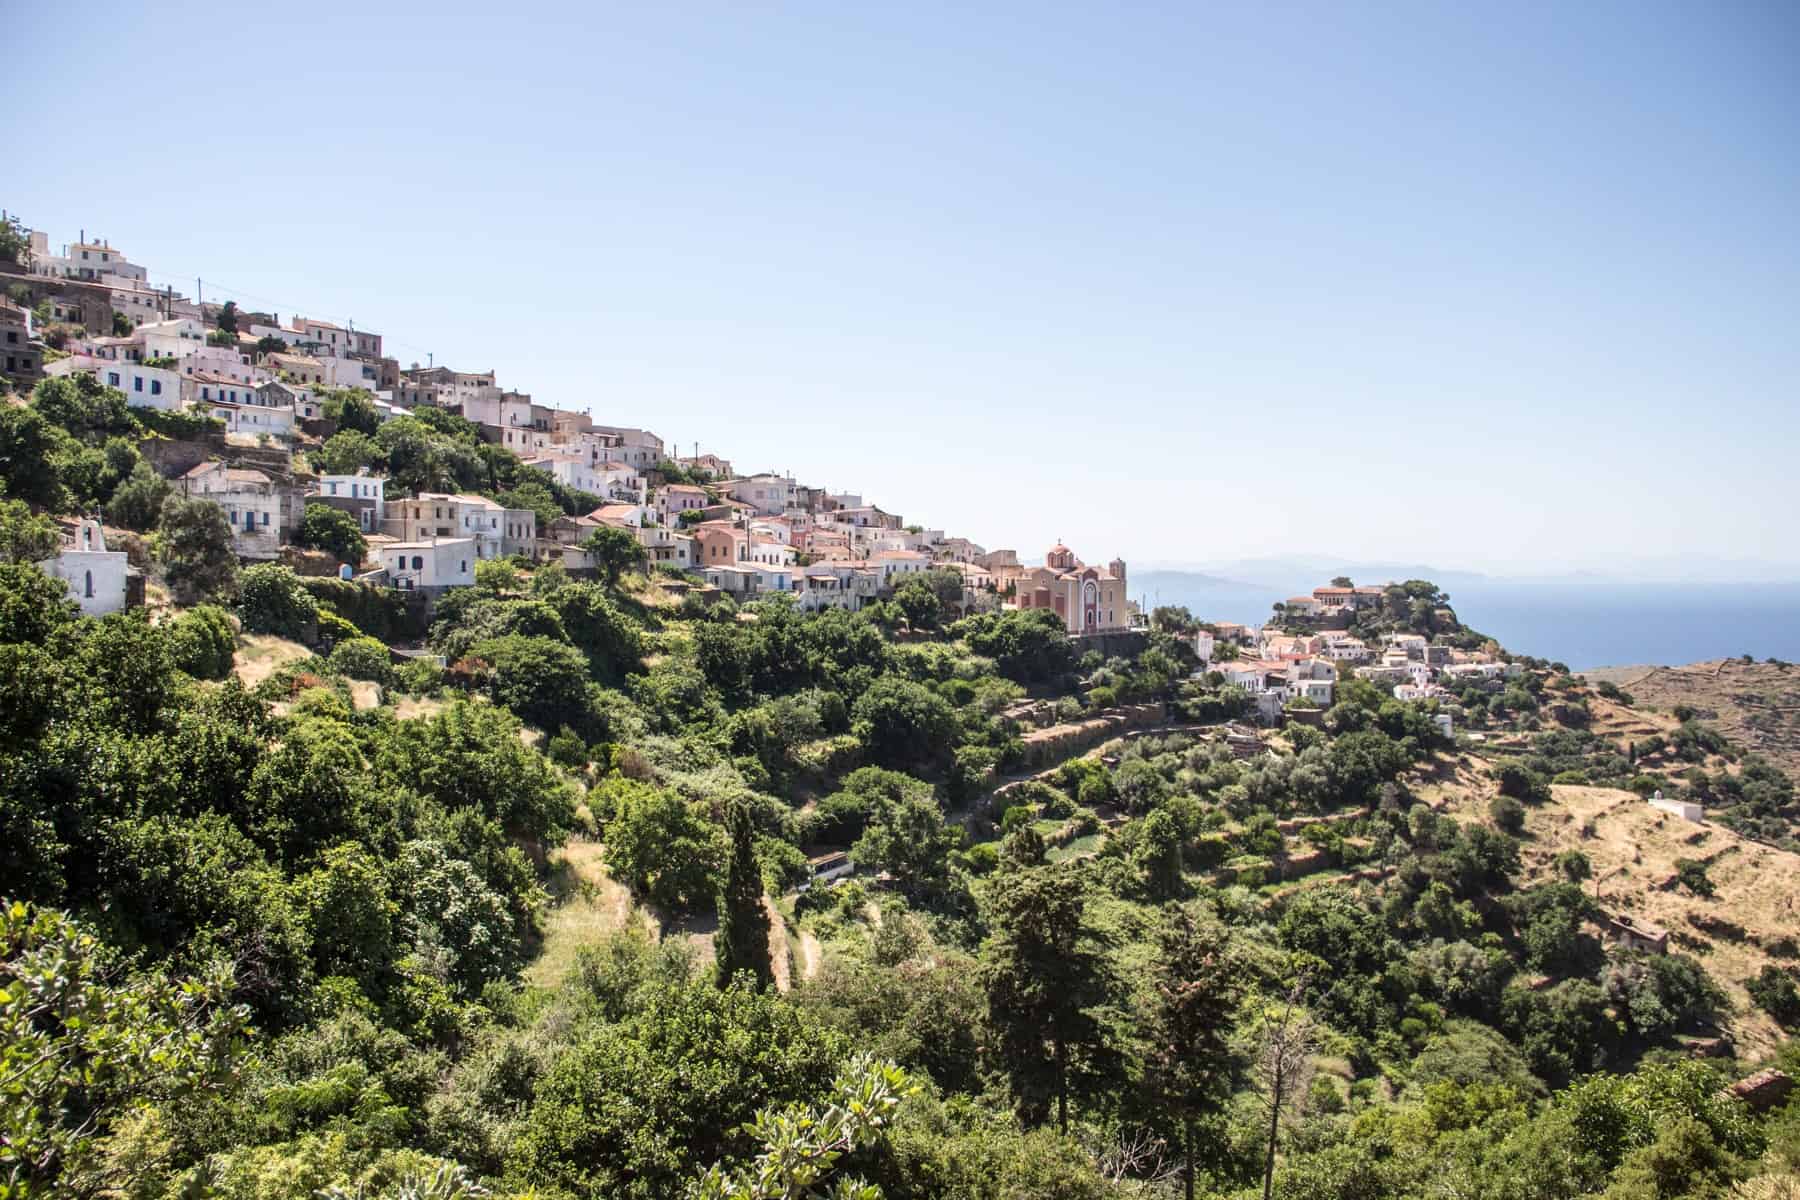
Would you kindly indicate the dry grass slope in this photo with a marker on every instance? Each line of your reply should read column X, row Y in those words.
column 1756, row 705
column 1633, row 849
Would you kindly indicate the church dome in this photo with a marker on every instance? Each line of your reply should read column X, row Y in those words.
column 1060, row 557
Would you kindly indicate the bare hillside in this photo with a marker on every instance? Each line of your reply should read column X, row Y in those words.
column 1756, row 705
column 1633, row 848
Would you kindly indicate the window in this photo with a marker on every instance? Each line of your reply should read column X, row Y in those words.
column 265, row 520
column 90, row 584
column 156, row 387
column 418, row 563
column 112, row 379
column 463, row 566
column 137, row 383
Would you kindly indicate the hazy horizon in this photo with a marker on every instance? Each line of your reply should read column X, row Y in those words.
column 1506, row 290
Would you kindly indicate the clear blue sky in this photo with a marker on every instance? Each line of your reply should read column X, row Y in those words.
column 1504, row 287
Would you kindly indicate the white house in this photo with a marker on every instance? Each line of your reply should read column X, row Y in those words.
column 1685, row 809
column 1316, row 690
column 733, row 580
column 144, row 387
column 203, row 387
column 767, row 494
column 496, row 531
column 665, row 547
column 362, row 493
column 83, row 260
column 171, row 338
column 430, row 565
column 894, row 565
column 95, row 575
column 638, row 447
column 252, row 506
column 771, row 553
column 276, row 394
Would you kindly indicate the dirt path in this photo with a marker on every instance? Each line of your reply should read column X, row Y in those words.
column 810, row 955
column 780, row 959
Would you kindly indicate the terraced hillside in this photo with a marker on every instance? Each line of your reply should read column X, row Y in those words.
column 1752, row 920
column 1756, row 705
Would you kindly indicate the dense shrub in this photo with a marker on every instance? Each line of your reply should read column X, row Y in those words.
column 202, row 642
column 362, row 658
column 272, row 600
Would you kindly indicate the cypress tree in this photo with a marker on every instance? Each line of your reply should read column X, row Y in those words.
column 742, row 943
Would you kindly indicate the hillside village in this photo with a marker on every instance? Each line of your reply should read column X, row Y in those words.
column 484, row 798
column 274, row 394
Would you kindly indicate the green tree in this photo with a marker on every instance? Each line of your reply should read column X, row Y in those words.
column 195, row 549
column 80, row 1047
column 1776, row 991
column 84, row 406
column 28, row 446
column 24, row 536
column 1028, row 645
column 1047, row 975
column 660, row 848
column 496, row 575
column 228, row 317
column 535, row 496
column 600, row 629
column 137, row 502
column 332, row 530
column 345, row 453
column 542, row 680
column 1158, row 856
column 614, row 551
column 637, row 1107
column 353, row 409
column 910, row 840
column 903, row 723
column 271, row 599
column 919, row 603
column 202, row 642
column 742, row 942
column 1191, row 1067
column 15, row 241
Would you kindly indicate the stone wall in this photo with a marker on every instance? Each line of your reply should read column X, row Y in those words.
column 1046, row 746
column 1118, row 643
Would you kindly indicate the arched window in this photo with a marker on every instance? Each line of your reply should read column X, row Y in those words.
column 418, row 563
column 90, row 584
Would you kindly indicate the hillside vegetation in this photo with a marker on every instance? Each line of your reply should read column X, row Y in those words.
column 288, row 917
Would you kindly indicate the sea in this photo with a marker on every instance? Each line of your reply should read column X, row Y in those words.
column 1583, row 625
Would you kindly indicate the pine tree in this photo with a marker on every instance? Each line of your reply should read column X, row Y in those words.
column 742, row 943
column 1049, row 981
column 1190, row 1067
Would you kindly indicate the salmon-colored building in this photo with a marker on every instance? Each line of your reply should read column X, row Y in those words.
column 1088, row 599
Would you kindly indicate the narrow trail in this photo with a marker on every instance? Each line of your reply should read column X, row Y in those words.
column 810, row 955
column 780, row 959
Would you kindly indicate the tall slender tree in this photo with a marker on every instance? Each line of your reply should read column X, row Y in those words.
column 1048, row 979
column 742, row 943
column 1190, row 1066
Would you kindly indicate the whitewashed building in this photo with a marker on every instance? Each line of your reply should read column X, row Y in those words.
column 432, row 565
column 95, row 575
